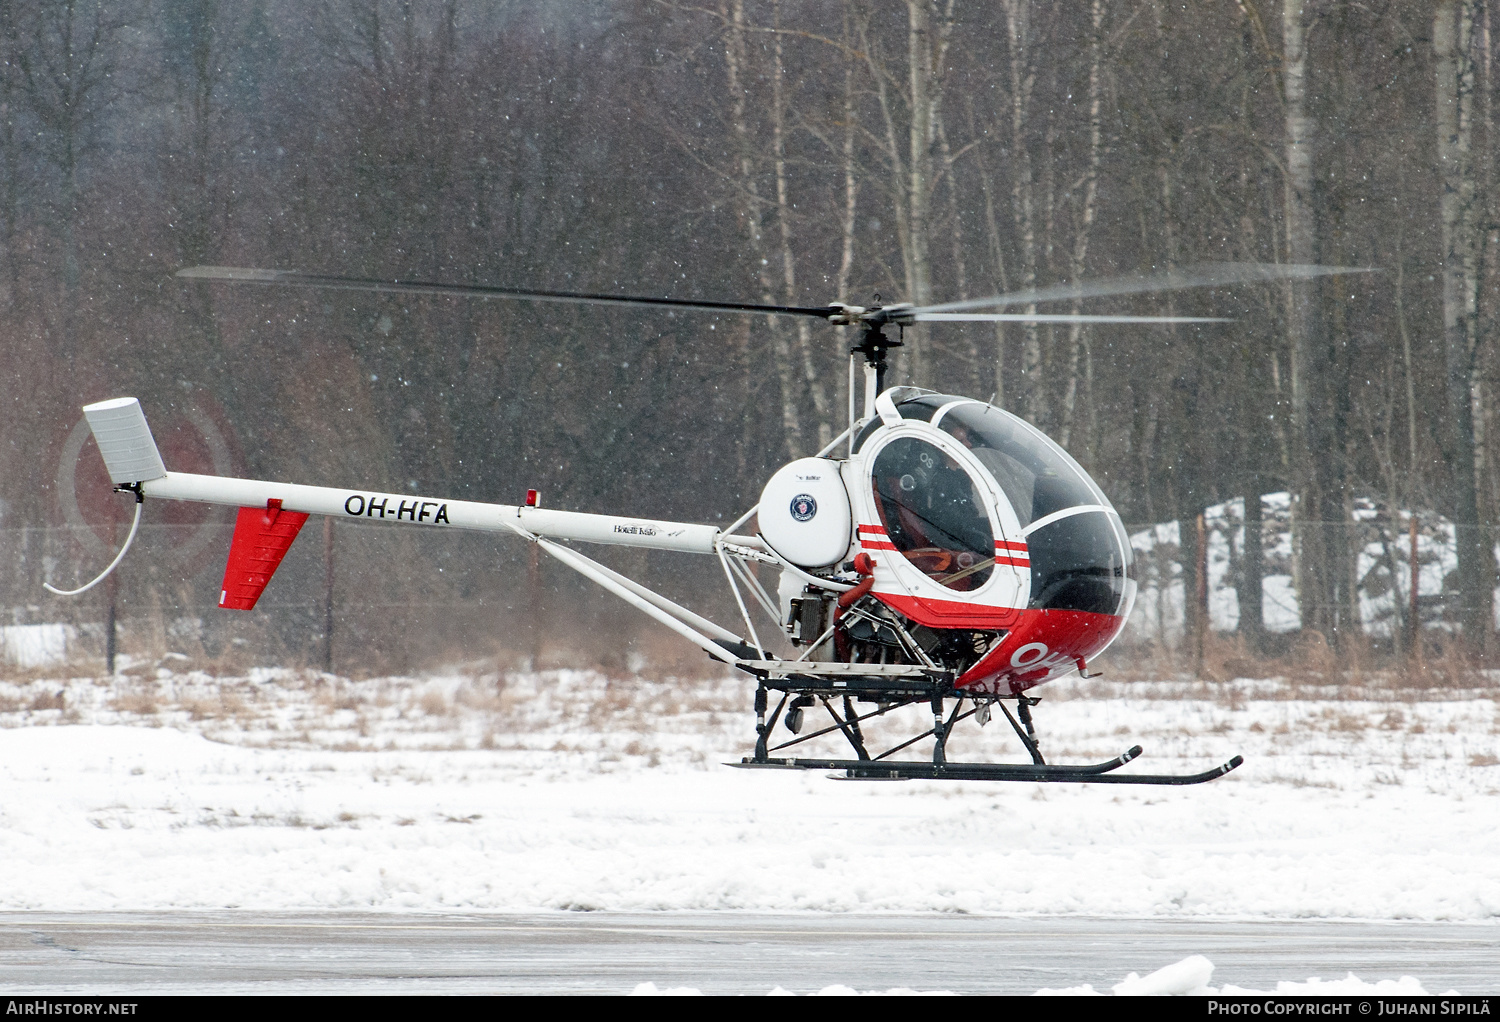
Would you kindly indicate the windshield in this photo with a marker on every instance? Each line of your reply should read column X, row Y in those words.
column 934, row 513
column 1079, row 563
column 1037, row 476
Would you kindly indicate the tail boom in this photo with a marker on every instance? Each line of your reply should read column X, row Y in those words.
column 405, row 509
column 271, row 515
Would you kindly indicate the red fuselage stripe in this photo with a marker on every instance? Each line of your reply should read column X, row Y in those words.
column 1015, row 560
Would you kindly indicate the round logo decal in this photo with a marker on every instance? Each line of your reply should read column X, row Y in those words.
column 1028, row 654
column 804, row 507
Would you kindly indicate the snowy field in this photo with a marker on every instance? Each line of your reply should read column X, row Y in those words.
column 569, row 791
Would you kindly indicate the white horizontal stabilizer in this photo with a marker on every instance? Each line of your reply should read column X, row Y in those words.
column 124, row 439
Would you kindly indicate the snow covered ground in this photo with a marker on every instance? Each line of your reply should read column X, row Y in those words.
column 570, row 791
column 1193, row 974
column 1189, row 977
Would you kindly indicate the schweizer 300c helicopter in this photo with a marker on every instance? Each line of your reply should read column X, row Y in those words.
column 940, row 551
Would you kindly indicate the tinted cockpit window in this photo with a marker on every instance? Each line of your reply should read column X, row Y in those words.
column 923, row 407
column 1037, row 476
column 920, row 408
column 934, row 513
column 865, row 432
column 1078, row 563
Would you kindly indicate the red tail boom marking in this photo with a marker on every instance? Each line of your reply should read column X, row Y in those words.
column 262, row 536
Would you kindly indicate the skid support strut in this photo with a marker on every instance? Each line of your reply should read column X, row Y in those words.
column 941, row 728
column 1027, row 734
column 763, row 727
column 857, row 737
column 939, row 733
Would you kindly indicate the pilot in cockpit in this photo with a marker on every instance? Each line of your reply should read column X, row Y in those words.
column 933, row 514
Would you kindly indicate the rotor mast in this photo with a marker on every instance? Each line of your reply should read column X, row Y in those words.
column 873, row 344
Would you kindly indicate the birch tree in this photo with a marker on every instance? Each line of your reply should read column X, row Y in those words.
column 812, row 380
column 1453, row 38
column 1018, row 36
column 751, row 205
column 1080, row 354
column 1303, row 324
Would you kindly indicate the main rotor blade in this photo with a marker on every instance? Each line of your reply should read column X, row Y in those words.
column 1022, row 317
column 1198, row 275
column 293, row 278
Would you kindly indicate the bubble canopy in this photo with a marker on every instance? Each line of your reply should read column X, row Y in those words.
column 1080, row 556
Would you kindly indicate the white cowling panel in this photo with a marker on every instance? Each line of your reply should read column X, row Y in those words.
column 804, row 513
column 124, row 439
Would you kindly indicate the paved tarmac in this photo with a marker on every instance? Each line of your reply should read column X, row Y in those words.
column 592, row 953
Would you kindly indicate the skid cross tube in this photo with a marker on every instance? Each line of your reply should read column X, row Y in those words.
column 854, row 720
column 855, row 739
column 925, row 734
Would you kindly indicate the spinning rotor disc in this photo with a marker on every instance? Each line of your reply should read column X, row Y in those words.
column 1199, row 275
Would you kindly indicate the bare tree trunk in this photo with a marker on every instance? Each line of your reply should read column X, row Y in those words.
column 956, row 236
column 1309, row 563
column 1452, row 38
column 1413, row 487
column 905, row 362
column 199, row 191
column 1251, row 590
column 1186, row 506
column 750, row 203
column 997, row 256
column 851, row 177
column 1252, row 572
column 10, row 151
column 810, row 376
column 1047, row 412
column 1077, row 341
column 1488, row 240
column 919, row 168
column 912, row 166
column 851, row 182
column 1023, row 190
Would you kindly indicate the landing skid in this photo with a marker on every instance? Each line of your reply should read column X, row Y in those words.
column 804, row 686
column 885, row 770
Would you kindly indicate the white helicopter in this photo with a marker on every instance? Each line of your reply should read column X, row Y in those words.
column 939, row 551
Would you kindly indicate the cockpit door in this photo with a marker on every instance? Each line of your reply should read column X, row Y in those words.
column 934, row 512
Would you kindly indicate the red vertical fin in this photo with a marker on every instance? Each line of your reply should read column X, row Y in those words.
column 262, row 536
